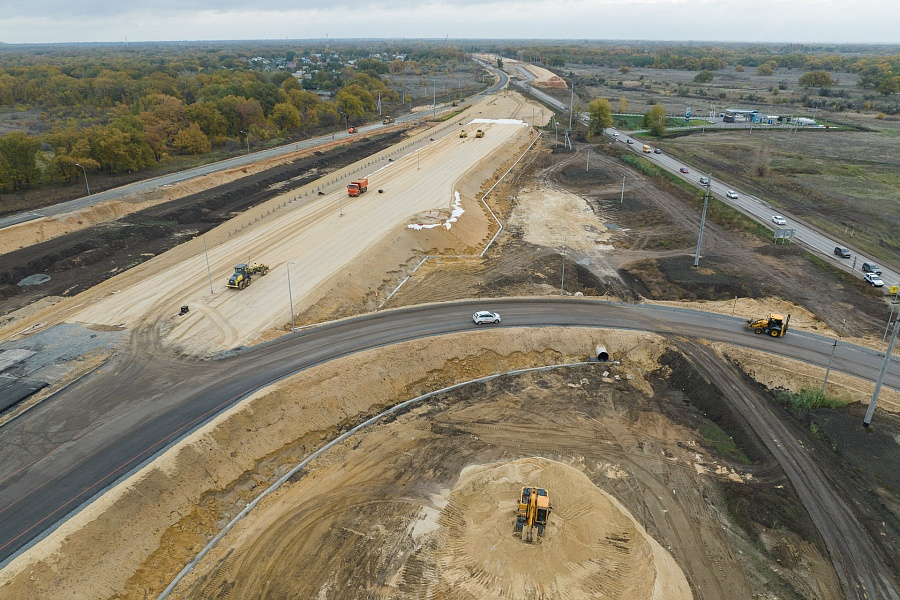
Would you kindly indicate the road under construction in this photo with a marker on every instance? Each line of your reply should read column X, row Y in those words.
column 196, row 413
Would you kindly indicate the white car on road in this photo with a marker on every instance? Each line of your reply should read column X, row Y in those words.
column 485, row 316
column 778, row 220
column 874, row 279
column 731, row 194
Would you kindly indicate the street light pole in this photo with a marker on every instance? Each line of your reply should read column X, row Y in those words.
column 247, row 135
column 85, row 178
column 884, row 337
column 290, row 294
column 622, row 199
column 887, row 358
column 562, row 284
column 702, row 223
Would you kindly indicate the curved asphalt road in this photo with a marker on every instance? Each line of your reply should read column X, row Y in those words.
column 79, row 442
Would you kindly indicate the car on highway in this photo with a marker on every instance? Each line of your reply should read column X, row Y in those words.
column 485, row 316
column 657, row 151
column 629, row 141
column 733, row 195
column 704, row 180
column 615, row 134
column 779, row 220
column 874, row 279
column 842, row 252
column 684, row 170
column 870, row 267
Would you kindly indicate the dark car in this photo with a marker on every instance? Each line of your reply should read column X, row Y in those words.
column 657, row 151
column 684, row 170
column 870, row 267
column 842, row 252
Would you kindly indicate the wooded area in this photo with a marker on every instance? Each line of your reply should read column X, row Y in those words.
column 118, row 108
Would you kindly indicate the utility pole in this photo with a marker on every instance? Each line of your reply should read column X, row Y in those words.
column 878, row 382
column 562, row 284
column 622, row 199
column 434, row 99
column 702, row 223
column 571, row 106
column 828, row 370
column 208, row 271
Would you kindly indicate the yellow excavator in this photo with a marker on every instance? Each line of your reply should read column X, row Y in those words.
column 534, row 510
column 774, row 325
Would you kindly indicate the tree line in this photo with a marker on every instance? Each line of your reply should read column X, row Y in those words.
column 118, row 108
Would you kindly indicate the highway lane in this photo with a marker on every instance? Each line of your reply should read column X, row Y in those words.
column 762, row 211
column 748, row 204
column 81, row 441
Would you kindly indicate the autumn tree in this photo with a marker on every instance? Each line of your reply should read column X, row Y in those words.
column 18, row 161
column 623, row 105
column 817, row 79
column 208, row 118
column 354, row 101
column 600, row 116
column 285, row 117
column 767, row 68
column 703, row 77
column 655, row 120
column 191, row 140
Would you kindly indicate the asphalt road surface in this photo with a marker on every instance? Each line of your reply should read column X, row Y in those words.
column 762, row 211
column 79, row 442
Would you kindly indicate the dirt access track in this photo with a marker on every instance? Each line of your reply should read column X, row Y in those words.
column 423, row 502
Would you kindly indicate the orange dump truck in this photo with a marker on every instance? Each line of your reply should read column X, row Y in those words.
column 358, row 187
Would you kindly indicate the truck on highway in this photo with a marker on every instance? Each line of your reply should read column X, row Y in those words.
column 647, row 149
column 355, row 188
column 479, row 134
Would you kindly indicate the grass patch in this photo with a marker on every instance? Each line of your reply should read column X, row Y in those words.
column 643, row 165
column 637, row 122
column 808, row 399
column 715, row 437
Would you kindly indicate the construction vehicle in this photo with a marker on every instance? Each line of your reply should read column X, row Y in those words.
column 647, row 149
column 454, row 103
column 463, row 134
column 479, row 133
column 353, row 130
column 774, row 325
column 243, row 274
column 534, row 510
column 387, row 120
column 358, row 187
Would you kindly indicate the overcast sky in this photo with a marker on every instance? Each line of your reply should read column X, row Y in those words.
column 866, row 21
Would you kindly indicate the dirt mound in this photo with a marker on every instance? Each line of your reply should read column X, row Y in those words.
column 592, row 547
